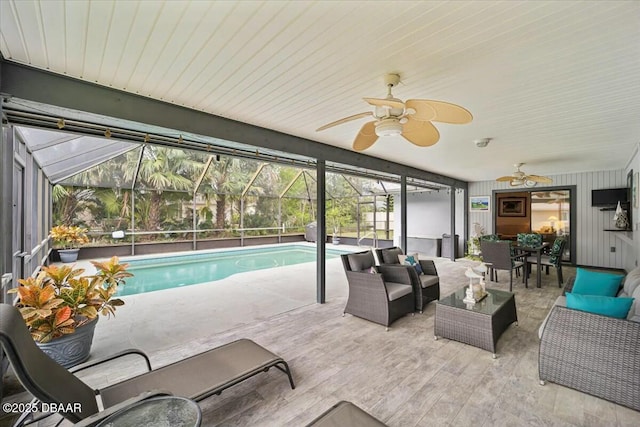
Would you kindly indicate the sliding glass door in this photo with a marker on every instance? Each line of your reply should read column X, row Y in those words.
column 551, row 216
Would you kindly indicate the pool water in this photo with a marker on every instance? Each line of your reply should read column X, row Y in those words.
column 183, row 270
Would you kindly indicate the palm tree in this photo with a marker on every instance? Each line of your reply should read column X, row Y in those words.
column 67, row 201
column 226, row 177
column 161, row 169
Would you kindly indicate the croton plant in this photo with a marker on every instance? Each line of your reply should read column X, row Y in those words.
column 60, row 299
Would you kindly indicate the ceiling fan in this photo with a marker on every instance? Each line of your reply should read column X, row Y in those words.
column 411, row 119
column 518, row 178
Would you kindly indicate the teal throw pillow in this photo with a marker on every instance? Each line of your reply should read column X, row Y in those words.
column 590, row 282
column 412, row 261
column 606, row 306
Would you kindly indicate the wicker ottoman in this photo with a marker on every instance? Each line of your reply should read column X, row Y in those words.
column 479, row 325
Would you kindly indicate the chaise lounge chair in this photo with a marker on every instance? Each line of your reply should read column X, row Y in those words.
column 196, row 377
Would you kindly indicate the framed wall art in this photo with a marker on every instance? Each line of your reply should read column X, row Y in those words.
column 512, row 206
column 479, row 203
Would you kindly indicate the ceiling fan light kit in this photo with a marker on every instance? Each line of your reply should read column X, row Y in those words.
column 389, row 127
column 411, row 119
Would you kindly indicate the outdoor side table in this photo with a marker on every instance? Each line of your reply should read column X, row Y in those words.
column 480, row 324
column 174, row 411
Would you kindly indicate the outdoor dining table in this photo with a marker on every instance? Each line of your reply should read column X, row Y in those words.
column 537, row 250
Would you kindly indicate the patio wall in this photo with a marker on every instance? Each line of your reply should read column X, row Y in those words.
column 180, row 246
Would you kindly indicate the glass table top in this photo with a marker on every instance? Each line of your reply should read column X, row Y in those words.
column 160, row 411
column 488, row 305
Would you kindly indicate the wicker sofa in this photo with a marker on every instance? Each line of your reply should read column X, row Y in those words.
column 594, row 354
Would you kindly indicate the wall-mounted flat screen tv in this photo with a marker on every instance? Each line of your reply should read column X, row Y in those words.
column 609, row 197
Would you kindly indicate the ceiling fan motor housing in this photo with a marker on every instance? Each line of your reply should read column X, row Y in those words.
column 389, row 127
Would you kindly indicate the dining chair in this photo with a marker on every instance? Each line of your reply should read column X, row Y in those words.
column 554, row 259
column 498, row 255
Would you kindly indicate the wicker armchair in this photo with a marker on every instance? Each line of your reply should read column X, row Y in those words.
column 426, row 287
column 499, row 256
column 371, row 295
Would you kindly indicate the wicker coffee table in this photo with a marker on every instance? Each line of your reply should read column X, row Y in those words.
column 479, row 325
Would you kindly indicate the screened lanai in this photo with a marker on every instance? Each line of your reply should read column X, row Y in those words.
column 105, row 171
column 128, row 193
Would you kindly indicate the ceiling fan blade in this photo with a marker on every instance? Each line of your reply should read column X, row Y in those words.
column 424, row 112
column 538, row 178
column 389, row 103
column 366, row 137
column 344, row 120
column 422, row 134
column 445, row 112
column 504, row 178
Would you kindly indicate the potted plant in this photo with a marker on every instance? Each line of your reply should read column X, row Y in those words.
column 67, row 239
column 337, row 218
column 61, row 307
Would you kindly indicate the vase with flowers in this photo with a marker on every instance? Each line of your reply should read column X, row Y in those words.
column 61, row 306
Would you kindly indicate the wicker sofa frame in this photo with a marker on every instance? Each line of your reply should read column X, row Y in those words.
column 594, row 354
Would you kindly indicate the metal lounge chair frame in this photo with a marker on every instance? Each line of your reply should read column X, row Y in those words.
column 196, row 377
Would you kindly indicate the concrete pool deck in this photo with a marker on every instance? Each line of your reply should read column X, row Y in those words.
column 156, row 321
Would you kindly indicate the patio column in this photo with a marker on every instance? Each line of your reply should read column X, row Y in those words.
column 403, row 213
column 322, row 233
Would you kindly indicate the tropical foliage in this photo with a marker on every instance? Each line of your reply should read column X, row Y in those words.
column 60, row 299
column 69, row 237
column 175, row 190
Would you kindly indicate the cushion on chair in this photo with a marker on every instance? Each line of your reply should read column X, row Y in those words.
column 390, row 256
column 411, row 260
column 361, row 261
column 529, row 239
column 597, row 304
column 426, row 280
column 590, row 282
column 397, row 290
column 544, row 260
column 554, row 253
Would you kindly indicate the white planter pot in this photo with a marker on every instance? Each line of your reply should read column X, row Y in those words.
column 68, row 255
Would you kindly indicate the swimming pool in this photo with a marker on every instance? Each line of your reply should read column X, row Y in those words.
column 155, row 274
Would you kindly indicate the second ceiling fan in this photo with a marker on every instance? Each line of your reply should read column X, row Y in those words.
column 411, row 119
column 518, row 178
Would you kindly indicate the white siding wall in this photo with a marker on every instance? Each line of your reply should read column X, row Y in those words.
column 429, row 216
column 592, row 242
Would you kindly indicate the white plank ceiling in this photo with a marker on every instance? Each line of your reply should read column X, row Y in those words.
column 556, row 84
